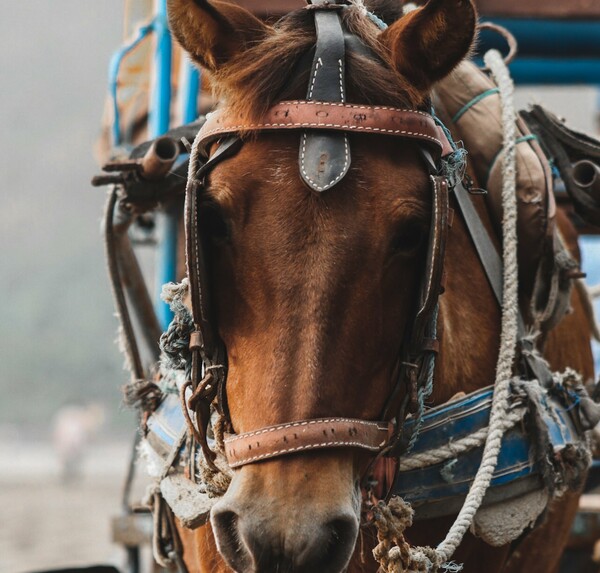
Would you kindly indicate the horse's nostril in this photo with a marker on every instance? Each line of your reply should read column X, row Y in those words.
column 226, row 521
column 254, row 541
column 342, row 528
column 226, row 527
column 332, row 548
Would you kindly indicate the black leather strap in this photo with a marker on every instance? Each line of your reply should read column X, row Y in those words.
column 324, row 156
column 195, row 255
column 205, row 345
column 492, row 265
column 488, row 254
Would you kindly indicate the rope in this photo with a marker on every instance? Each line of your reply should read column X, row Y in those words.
column 395, row 559
column 510, row 308
column 425, row 390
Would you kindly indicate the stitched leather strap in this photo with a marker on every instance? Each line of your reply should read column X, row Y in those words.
column 299, row 115
column 303, row 435
column 434, row 267
column 325, row 156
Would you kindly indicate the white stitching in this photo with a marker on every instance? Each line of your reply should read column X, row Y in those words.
column 438, row 190
column 332, row 182
column 244, row 460
column 318, row 66
column 232, row 128
column 351, row 105
column 341, row 66
column 314, row 78
column 300, row 424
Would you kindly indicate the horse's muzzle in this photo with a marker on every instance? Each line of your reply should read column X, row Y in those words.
column 265, row 525
column 250, row 544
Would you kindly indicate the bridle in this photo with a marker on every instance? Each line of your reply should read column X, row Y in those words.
column 324, row 122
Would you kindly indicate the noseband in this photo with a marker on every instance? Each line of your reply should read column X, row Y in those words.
column 324, row 125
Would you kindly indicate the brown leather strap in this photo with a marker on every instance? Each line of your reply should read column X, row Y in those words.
column 303, row 435
column 333, row 116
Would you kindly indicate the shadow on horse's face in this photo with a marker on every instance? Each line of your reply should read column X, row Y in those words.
column 313, row 292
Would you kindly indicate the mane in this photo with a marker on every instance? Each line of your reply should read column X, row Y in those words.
column 278, row 67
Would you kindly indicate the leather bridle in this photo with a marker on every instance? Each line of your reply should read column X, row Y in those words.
column 322, row 125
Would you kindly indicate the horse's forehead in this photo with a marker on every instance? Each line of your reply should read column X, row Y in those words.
column 266, row 170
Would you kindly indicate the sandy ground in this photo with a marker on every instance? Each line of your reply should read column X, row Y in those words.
column 46, row 524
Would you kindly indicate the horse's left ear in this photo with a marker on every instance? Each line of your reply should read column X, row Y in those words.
column 426, row 44
column 214, row 32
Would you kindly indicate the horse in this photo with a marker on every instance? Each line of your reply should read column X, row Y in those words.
column 314, row 291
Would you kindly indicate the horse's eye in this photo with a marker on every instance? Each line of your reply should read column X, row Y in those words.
column 214, row 225
column 408, row 238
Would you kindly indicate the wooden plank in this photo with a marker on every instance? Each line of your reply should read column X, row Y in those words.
column 567, row 9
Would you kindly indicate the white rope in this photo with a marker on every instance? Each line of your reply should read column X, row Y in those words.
column 510, row 308
column 425, row 558
column 360, row 4
column 454, row 448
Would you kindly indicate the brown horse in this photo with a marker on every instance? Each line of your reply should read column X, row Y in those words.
column 313, row 290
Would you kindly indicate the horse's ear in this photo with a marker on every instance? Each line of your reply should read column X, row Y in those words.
column 426, row 44
column 213, row 32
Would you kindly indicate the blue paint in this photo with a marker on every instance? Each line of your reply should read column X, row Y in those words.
column 160, row 119
column 113, row 79
column 160, row 109
column 556, row 71
column 463, row 417
column 190, row 89
column 547, row 38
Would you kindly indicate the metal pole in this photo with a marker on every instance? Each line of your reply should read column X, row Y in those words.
column 189, row 93
column 160, row 115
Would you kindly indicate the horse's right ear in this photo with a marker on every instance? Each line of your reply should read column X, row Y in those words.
column 213, row 32
column 426, row 44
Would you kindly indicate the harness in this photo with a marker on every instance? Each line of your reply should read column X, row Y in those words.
column 323, row 126
column 324, row 159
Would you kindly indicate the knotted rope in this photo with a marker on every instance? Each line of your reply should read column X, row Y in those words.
column 392, row 552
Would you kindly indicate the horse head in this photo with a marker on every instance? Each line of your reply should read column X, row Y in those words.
column 313, row 291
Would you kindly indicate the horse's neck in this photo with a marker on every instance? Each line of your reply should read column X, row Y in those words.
column 469, row 324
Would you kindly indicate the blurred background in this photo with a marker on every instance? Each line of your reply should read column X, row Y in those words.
column 60, row 369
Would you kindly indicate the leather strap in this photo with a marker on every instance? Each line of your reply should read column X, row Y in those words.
column 303, row 435
column 298, row 115
column 205, row 347
column 196, row 266
column 492, row 265
column 488, row 254
column 324, row 157
column 432, row 280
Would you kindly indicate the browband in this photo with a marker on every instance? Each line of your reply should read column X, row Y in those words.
column 298, row 115
column 293, row 437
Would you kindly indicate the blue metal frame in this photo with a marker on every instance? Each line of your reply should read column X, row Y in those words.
column 160, row 119
column 113, row 75
column 159, row 123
